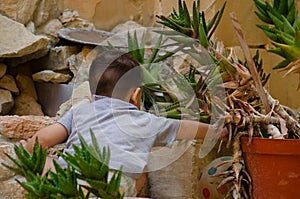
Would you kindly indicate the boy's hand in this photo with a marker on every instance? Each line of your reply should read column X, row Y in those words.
column 48, row 136
column 23, row 142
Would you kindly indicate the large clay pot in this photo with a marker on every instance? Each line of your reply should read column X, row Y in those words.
column 274, row 166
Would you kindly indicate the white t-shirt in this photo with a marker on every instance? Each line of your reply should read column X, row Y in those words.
column 129, row 132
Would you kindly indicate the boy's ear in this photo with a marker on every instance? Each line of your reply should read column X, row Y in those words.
column 136, row 97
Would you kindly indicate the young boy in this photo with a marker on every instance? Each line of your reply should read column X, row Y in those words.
column 115, row 118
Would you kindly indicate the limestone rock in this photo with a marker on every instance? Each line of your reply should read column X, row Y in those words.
column 81, row 72
column 52, row 27
column 127, row 26
column 51, row 76
column 47, row 9
column 25, row 10
column 63, row 108
column 26, row 105
column 74, row 62
column 3, row 69
column 6, row 148
column 12, row 189
column 68, row 16
column 9, row 8
column 26, row 85
column 6, row 102
column 8, row 82
column 79, row 95
column 56, row 59
column 80, row 23
column 31, row 27
column 17, row 41
column 23, row 127
column 21, row 11
column 20, row 60
column 8, row 140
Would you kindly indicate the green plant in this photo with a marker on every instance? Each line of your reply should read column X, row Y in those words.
column 26, row 163
column 196, row 27
column 158, row 89
column 159, row 92
column 283, row 29
column 89, row 164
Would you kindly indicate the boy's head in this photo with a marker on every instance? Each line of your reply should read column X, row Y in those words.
column 115, row 74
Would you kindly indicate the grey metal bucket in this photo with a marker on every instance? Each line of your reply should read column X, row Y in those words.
column 51, row 96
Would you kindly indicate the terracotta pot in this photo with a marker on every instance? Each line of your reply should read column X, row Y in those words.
column 274, row 166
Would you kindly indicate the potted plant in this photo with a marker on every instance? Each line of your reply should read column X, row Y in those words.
column 274, row 163
column 248, row 109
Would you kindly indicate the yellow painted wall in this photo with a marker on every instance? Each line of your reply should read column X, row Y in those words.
column 106, row 14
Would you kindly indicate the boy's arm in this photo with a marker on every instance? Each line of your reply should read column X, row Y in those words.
column 47, row 137
column 196, row 130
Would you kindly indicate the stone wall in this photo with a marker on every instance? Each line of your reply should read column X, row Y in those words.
column 32, row 62
column 30, row 54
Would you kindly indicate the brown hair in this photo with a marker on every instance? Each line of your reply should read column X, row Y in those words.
column 113, row 73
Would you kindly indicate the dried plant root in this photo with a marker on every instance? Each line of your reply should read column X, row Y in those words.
column 291, row 123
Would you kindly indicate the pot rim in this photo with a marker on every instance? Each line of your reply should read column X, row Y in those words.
column 271, row 146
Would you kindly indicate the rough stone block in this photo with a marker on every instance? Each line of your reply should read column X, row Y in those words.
column 21, row 11
column 6, row 101
column 46, row 10
column 25, row 10
column 51, row 76
column 23, row 127
column 56, row 59
column 11, row 189
column 3, row 69
column 12, row 62
column 26, row 85
column 8, row 82
column 6, row 148
column 26, row 105
column 17, row 41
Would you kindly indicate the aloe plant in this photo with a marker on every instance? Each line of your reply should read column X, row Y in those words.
column 159, row 87
column 283, row 29
column 157, row 91
column 32, row 163
column 89, row 164
column 196, row 27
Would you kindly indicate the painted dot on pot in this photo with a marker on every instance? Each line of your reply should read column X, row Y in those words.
column 206, row 193
column 212, row 171
column 225, row 158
